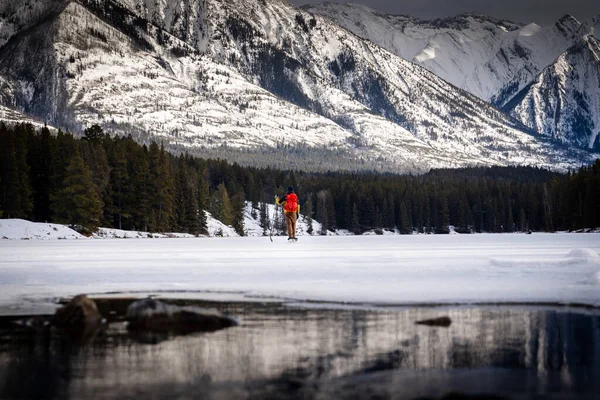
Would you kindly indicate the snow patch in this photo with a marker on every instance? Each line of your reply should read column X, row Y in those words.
column 596, row 278
column 217, row 228
column 530, row 30
column 427, row 54
column 584, row 254
column 19, row 229
column 580, row 256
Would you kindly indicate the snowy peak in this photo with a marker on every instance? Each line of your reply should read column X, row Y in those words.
column 592, row 27
column 569, row 26
column 495, row 60
column 490, row 58
column 473, row 21
column 564, row 101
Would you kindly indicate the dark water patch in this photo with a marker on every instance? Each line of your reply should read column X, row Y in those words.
column 290, row 352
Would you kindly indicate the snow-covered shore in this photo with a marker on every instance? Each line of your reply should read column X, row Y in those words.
column 415, row 269
column 18, row 229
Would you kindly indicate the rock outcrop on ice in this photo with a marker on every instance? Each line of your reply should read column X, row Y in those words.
column 152, row 315
column 248, row 75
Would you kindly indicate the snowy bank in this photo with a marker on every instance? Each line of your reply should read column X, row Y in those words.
column 19, row 229
column 414, row 269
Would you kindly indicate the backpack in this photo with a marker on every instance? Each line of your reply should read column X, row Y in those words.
column 291, row 204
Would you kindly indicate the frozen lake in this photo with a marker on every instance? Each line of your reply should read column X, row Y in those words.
column 421, row 269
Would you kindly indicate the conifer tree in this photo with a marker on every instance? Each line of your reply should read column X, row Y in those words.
column 163, row 187
column 77, row 203
column 119, row 180
column 10, row 197
column 510, row 224
column 41, row 159
column 442, row 215
column 189, row 189
column 23, row 133
column 307, row 211
column 222, row 205
column 238, row 203
column 140, row 180
column 265, row 223
column 323, row 211
column 405, row 224
column 355, row 226
column 203, row 193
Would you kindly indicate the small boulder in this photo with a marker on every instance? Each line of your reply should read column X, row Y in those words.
column 80, row 320
column 155, row 316
column 80, row 313
column 442, row 322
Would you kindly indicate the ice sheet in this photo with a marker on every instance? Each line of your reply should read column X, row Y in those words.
column 548, row 268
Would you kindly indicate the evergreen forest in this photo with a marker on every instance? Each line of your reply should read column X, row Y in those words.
column 100, row 180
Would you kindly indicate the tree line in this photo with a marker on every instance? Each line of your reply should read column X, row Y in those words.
column 100, row 180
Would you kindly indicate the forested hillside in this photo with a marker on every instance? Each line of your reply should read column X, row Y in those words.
column 116, row 182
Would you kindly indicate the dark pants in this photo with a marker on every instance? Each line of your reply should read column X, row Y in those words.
column 290, row 222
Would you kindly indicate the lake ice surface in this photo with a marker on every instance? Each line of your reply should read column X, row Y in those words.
column 373, row 270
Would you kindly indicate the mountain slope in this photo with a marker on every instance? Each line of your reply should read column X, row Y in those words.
column 492, row 59
column 294, row 55
column 564, row 101
column 250, row 74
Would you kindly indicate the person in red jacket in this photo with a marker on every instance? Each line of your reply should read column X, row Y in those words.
column 291, row 209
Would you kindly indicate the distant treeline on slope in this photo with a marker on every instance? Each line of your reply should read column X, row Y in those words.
column 115, row 182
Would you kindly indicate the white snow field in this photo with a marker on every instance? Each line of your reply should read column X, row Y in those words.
column 363, row 270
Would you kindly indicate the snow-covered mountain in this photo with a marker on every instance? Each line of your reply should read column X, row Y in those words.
column 490, row 58
column 564, row 100
column 493, row 59
column 246, row 74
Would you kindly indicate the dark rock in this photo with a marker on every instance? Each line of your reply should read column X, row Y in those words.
column 79, row 319
column 79, row 313
column 155, row 316
column 442, row 322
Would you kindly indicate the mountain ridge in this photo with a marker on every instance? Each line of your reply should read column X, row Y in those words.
column 485, row 58
column 248, row 76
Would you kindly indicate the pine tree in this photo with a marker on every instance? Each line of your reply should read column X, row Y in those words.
column 442, row 215
column 10, row 197
column 264, row 218
column 138, row 199
column 203, row 193
column 24, row 180
column 41, row 159
column 163, row 187
column 222, row 203
column 119, row 180
column 355, row 220
column 523, row 226
column 405, row 225
column 510, row 224
column 77, row 203
column 323, row 211
column 238, row 203
column 307, row 210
